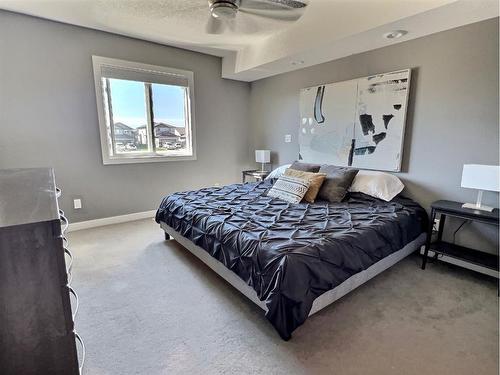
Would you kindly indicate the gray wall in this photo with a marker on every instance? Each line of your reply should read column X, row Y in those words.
column 452, row 116
column 48, row 117
column 48, row 114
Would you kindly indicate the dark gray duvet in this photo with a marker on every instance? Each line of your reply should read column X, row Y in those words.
column 291, row 253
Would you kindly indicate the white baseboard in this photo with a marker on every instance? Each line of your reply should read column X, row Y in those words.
column 110, row 220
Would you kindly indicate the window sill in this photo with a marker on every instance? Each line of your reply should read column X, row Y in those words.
column 146, row 159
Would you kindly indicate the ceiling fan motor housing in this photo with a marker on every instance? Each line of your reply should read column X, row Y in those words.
column 224, row 8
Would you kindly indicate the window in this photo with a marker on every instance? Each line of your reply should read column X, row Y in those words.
column 145, row 112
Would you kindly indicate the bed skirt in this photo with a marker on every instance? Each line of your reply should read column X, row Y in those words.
column 319, row 303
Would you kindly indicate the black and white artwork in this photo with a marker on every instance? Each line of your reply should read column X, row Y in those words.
column 358, row 123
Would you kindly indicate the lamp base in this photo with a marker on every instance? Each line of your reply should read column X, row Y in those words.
column 474, row 206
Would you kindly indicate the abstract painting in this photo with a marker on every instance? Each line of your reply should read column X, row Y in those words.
column 358, row 123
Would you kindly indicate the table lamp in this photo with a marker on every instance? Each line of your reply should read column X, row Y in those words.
column 262, row 156
column 480, row 177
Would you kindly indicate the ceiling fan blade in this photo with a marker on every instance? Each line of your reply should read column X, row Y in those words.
column 273, row 4
column 284, row 15
column 214, row 25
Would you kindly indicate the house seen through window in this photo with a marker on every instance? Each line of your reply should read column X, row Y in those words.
column 146, row 112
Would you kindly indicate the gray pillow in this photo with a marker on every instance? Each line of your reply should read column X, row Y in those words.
column 338, row 180
column 305, row 167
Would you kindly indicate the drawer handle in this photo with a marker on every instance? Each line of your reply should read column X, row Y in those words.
column 64, row 220
column 71, row 259
column 80, row 363
column 72, row 291
column 58, row 192
column 69, row 267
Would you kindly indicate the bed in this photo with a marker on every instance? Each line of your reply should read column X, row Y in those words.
column 292, row 259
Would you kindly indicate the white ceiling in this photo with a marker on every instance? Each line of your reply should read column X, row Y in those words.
column 258, row 47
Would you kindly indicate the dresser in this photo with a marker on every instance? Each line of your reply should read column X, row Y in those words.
column 37, row 303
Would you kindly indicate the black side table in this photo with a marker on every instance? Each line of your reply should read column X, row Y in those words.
column 255, row 173
column 449, row 208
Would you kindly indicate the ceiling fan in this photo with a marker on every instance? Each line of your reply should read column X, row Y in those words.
column 223, row 12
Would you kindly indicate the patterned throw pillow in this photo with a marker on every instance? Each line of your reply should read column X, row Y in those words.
column 315, row 182
column 290, row 189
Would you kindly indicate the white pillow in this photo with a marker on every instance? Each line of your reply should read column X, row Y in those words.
column 276, row 173
column 380, row 185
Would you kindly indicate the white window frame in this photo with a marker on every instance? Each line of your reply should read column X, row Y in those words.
column 108, row 156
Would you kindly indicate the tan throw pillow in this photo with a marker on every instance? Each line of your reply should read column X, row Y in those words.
column 315, row 182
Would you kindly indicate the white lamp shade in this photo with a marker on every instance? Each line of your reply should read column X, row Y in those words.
column 262, row 156
column 481, row 177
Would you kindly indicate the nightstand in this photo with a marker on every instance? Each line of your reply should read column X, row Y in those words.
column 255, row 173
column 446, row 209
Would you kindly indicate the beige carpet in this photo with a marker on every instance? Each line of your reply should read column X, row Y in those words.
column 150, row 307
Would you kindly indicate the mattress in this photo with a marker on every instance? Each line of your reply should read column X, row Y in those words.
column 290, row 254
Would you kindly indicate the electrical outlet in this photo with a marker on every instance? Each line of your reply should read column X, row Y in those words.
column 436, row 224
column 77, row 203
column 288, row 138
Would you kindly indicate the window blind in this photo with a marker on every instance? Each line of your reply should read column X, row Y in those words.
column 141, row 75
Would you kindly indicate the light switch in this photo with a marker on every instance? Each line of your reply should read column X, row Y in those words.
column 288, row 138
column 77, row 204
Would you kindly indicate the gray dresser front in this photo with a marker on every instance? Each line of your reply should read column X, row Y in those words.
column 37, row 303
